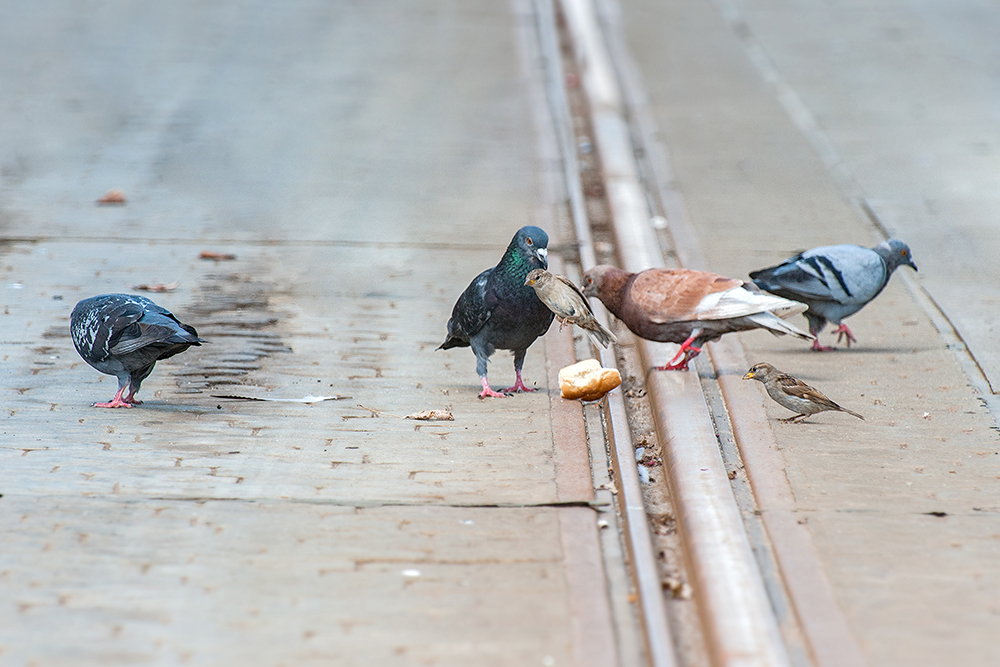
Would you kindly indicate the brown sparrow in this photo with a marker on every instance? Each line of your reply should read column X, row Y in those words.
column 793, row 393
column 568, row 303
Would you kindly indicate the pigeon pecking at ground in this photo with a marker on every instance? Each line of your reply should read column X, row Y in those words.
column 687, row 307
column 792, row 393
column 498, row 311
column 835, row 281
column 125, row 335
column 569, row 304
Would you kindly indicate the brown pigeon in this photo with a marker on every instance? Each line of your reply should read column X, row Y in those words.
column 568, row 303
column 687, row 307
column 792, row 393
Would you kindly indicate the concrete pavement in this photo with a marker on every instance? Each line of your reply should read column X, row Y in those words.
column 363, row 163
column 783, row 124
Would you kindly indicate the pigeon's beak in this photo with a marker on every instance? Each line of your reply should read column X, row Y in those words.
column 912, row 265
column 543, row 255
column 748, row 376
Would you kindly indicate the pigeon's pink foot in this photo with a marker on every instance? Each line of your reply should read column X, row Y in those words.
column 687, row 351
column 132, row 399
column 843, row 332
column 116, row 402
column 518, row 386
column 489, row 393
column 816, row 347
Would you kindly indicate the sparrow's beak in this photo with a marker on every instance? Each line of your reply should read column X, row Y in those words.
column 543, row 255
column 529, row 281
column 748, row 376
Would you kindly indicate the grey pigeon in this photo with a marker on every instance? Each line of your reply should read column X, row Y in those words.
column 569, row 304
column 125, row 335
column 498, row 311
column 687, row 307
column 835, row 281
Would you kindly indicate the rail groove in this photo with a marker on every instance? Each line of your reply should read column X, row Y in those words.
column 737, row 614
column 739, row 620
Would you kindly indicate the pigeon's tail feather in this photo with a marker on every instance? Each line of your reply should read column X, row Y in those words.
column 185, row 338
column 192, row 337
column 778, row 326
column 452, row 341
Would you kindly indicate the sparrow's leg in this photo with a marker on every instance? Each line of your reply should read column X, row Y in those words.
column 793, row 420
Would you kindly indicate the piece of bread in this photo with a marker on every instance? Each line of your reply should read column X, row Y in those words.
column 587, row 381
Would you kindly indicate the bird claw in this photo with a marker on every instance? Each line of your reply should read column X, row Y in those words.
column 119, row 401
column 518, row 387
column 114, row 403
column 844, row 333
column 489, row 393
column 685, row 354
column 816, row 347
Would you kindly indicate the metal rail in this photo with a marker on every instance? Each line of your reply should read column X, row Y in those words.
column 656, row 629
column 739, row 622
column 829, row 639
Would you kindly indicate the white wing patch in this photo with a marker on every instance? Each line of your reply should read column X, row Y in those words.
column 740, row 302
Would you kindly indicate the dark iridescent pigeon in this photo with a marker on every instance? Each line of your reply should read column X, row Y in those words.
column 835, row 281
column 125, row 335
column 497, row 311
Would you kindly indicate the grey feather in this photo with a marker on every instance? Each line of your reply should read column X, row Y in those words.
column 125, row 335
column 835, row 281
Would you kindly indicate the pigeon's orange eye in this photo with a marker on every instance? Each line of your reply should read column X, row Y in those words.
column 903, row 253
column 528, row 240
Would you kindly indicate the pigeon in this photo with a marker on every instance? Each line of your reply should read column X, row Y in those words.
column 792, row 393
column 835, row 281
column 569, row 304
column 125, row 335
column 499, row 311
column 687, row 307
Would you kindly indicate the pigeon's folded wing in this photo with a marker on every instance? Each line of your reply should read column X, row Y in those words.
column 472, row 309
column 842, row 274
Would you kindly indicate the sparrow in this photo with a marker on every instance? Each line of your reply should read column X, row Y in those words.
column 568, row 303
column 792, row 393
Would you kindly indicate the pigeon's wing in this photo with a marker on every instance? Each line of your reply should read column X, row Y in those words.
column 674, row 295
column 846, row 274
column 472, row 309
column 97, row 329
column 154, row 328
column 740, row 302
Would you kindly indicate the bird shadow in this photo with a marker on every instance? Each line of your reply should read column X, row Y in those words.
column 910, row 349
